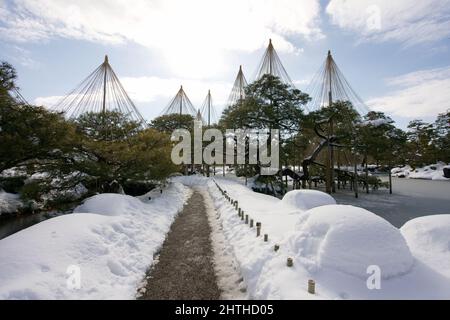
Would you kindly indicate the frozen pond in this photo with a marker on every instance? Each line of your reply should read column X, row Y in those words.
column 411, row 198
column 13, row 224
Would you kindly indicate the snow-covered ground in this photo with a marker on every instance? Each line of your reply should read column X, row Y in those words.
column 111, row 240
column 430, row 172
column 331, row 244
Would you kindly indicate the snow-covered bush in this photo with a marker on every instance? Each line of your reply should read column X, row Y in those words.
column 349, row 239
column 307, row 199
column 401, row 172
column 9, row 202
column 111, row 204
column 430, row 172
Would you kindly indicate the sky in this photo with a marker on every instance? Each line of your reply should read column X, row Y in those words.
column 395, row 54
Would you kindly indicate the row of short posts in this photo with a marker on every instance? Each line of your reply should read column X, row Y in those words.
column 244, row 217
column 311, row 282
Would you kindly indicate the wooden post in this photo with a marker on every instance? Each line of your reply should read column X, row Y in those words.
column 367, row 175
column 289, row 262
column 242, row 215
column 328, row 169
column 258, row 229
column 390, row 180
column 245, row 161
column 355, row 183
column 276, row 247
column 239, row 212
column 311, row 286
column 251, row 223
column 333, row 185
column 339, row 169
column 266, row 237
column 246, row 219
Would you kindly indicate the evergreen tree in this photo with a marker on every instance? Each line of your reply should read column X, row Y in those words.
column 380, row 139
column 421, row 150
column 442, row 136
column 170, row 122
column 269, row 104
column 108, row 125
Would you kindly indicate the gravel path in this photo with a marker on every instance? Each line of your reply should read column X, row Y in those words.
column 185, row 269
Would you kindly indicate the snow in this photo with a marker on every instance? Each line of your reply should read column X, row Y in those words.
column 307, row 199
column 334, row 245
column 230, row 282
column 430, row 172
column 429, row 240
column 9, row 202
column 112, row 239
column 375, row 122
column 349, row 239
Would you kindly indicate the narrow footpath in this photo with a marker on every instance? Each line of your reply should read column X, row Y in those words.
column 185, row 269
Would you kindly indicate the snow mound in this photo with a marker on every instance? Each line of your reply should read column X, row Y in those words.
column 429, row 240
column 349, row 239
column 307, row 199
column 111, row 204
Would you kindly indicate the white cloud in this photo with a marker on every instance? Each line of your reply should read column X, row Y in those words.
column 406, row 21
column 149, row 89
column 192, row 36
column 422, row 93
column 49, row 101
